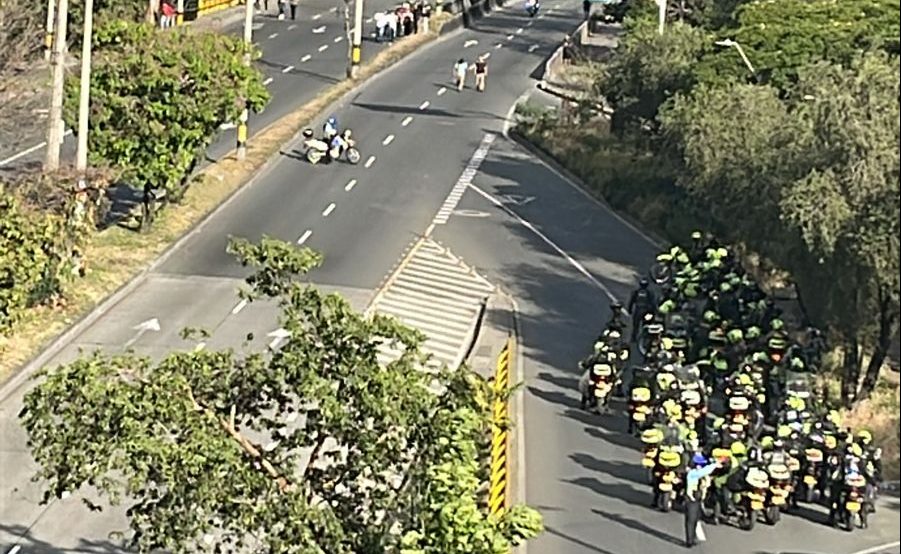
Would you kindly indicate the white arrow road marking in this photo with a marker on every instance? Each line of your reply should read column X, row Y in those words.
column 273, row 35
column 319, row 30
column 339, row 39
column 239, row 306
column 424, row 105
column 533, row 47
column 406, row 121
column 388, row 140
column 278, row 336
column 267, row 81
column 152, row 324
column 323, row 48
column 350, row 185
column 317, row 16
column 328, row 210
column 369, row 162
column 306, row 58
column 442, row 90
column 517, row 199
column 509, row 37
column 469, row 43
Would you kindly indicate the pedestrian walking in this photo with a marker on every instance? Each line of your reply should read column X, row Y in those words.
column 391, row 19
column 481, row 70
column 282, row 9
column 381, row 26
column 693, row 496
column 424, row 17
column 460, row 69
column 167, row 14
column 586, row 8
column 294, row 9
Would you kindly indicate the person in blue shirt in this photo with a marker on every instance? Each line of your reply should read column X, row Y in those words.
column 699, row 471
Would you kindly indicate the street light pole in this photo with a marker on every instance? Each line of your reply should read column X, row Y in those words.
column 729, row 43
column 55, row 123
column 661, row 15
column 84, row 99
column 48, row 29
column 248, row 44
column 358, row 39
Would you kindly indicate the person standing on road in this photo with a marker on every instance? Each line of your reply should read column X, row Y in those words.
column 586, row 8
column 460, row 69
column 481, row 71
column 693, row 495
column 293, row 4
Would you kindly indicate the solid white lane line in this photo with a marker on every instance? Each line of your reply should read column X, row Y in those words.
column 350, row 185
column 303, row 238
column 287, row 69
column 388, row 140
column 406, row 121
column 306, row 58
column 331, row 207
column 268, row 80
column 273, row 35
column 29, row 150
column 369, row 162
column 317, row 16
column 239, row 306
column 339, row 39
column 424, row 105
column 442, row 90
column 323, row 48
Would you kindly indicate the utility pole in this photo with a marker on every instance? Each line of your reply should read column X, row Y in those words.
column 55, row 124
column 180, row 12
column 248, row 44
column 84, row 98
column 358, row 39
column 48, row 29
column 661, row 15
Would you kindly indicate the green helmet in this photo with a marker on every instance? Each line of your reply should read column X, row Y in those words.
column 725, row 287
column 735, row 335
column 667, row 306
column 753, row 332
column 777, row 324
column 710, row 316
column 797, row 363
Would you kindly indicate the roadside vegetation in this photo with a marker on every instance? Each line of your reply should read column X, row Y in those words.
column 794, row 158
column 314, row 447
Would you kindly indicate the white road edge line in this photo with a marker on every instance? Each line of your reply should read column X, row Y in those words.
column 323, row 48
column 268, row 80
column 329, row 209
column 306, row 235
column 422, row 106
column 877, row 548
column 287, row 69
column 406, row 121
column 369, row 162
column 442, row 90
column 306, row 58
column 29, row 150
column 14, row 549
column 350, row 185
column 239, row 306
column 272, row 36
column 388, row 140
column 572, row 261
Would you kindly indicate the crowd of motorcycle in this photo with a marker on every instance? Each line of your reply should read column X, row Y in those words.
column 721, row 378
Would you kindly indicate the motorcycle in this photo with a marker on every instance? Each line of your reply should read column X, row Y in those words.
column 317, row 149
column 666, row 476
column 810, row 475
column 649, row 334
column 780, row 488
column 532, row 8
column 851, row 504
column 650, row 439
column 751, row 501
column 603, row 385
column 639, row 407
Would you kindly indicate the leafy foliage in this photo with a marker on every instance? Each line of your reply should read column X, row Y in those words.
column 158, row 98
column 313, row 448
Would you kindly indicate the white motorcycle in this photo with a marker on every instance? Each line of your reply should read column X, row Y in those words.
column 316, row 149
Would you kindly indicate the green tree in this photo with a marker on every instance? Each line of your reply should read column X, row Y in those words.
column 313, row 448
column 158, row 98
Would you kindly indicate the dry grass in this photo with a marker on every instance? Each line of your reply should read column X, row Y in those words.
column 880, row 415
column 117, row 255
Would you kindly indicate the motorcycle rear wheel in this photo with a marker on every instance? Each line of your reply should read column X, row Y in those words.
column 772, row 515
column 353, row 155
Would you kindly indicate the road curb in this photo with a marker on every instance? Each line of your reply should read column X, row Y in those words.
column 55, row 345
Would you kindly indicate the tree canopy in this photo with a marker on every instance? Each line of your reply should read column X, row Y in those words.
column 315, row 447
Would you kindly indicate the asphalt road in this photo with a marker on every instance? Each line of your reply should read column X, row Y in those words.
column 299, row 59
column 416, row 137
column 562, row 256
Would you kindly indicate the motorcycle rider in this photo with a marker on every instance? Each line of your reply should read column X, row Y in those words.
column 338, row 145
column 330, row 129
column 641, row 302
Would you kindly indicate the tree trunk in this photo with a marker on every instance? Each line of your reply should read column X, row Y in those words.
column 850, row 371
column 888, row 324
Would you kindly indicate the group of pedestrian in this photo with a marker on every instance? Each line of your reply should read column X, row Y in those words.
column 478, row 67
column 284, row 7
column 403, row 20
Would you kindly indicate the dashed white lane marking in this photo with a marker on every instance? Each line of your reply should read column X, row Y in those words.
column 469, row 43
column 519, row 31
column 306, row 235
column 533, row 47
column 292, row 26
column 541, row 16
column 328, row 210
column 239, row 306
column 442, row 90
column 323, row 48
column 388, row 140
column 200, row 346
column 306, row 58
column 498, row 45
column 406, row 121
column 369, row 162
column 472, row 167
column 279, row 335
column 509, row 37
column 268, row 80
column 486, row 55
column 350, row 185
column 424, row 105
column 369, row 20
column 273, row 35
column 287, row 69
column 227, row 125
column 317, row 16
column 530, row 23
column 334, row 10
column 434, row 291
column 319, row 30
column 338, row 39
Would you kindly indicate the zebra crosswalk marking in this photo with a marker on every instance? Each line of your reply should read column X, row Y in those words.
column 437, row 293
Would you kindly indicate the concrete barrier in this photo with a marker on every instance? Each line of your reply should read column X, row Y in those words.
column 555, row 61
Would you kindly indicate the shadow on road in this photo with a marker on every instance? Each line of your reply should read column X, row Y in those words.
column 622, row 491
column 394, row 108
column 559, row 398
column 621, row 470
column 588, row 546
column 571, row 383
column 638, row 526
column 33, row 545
